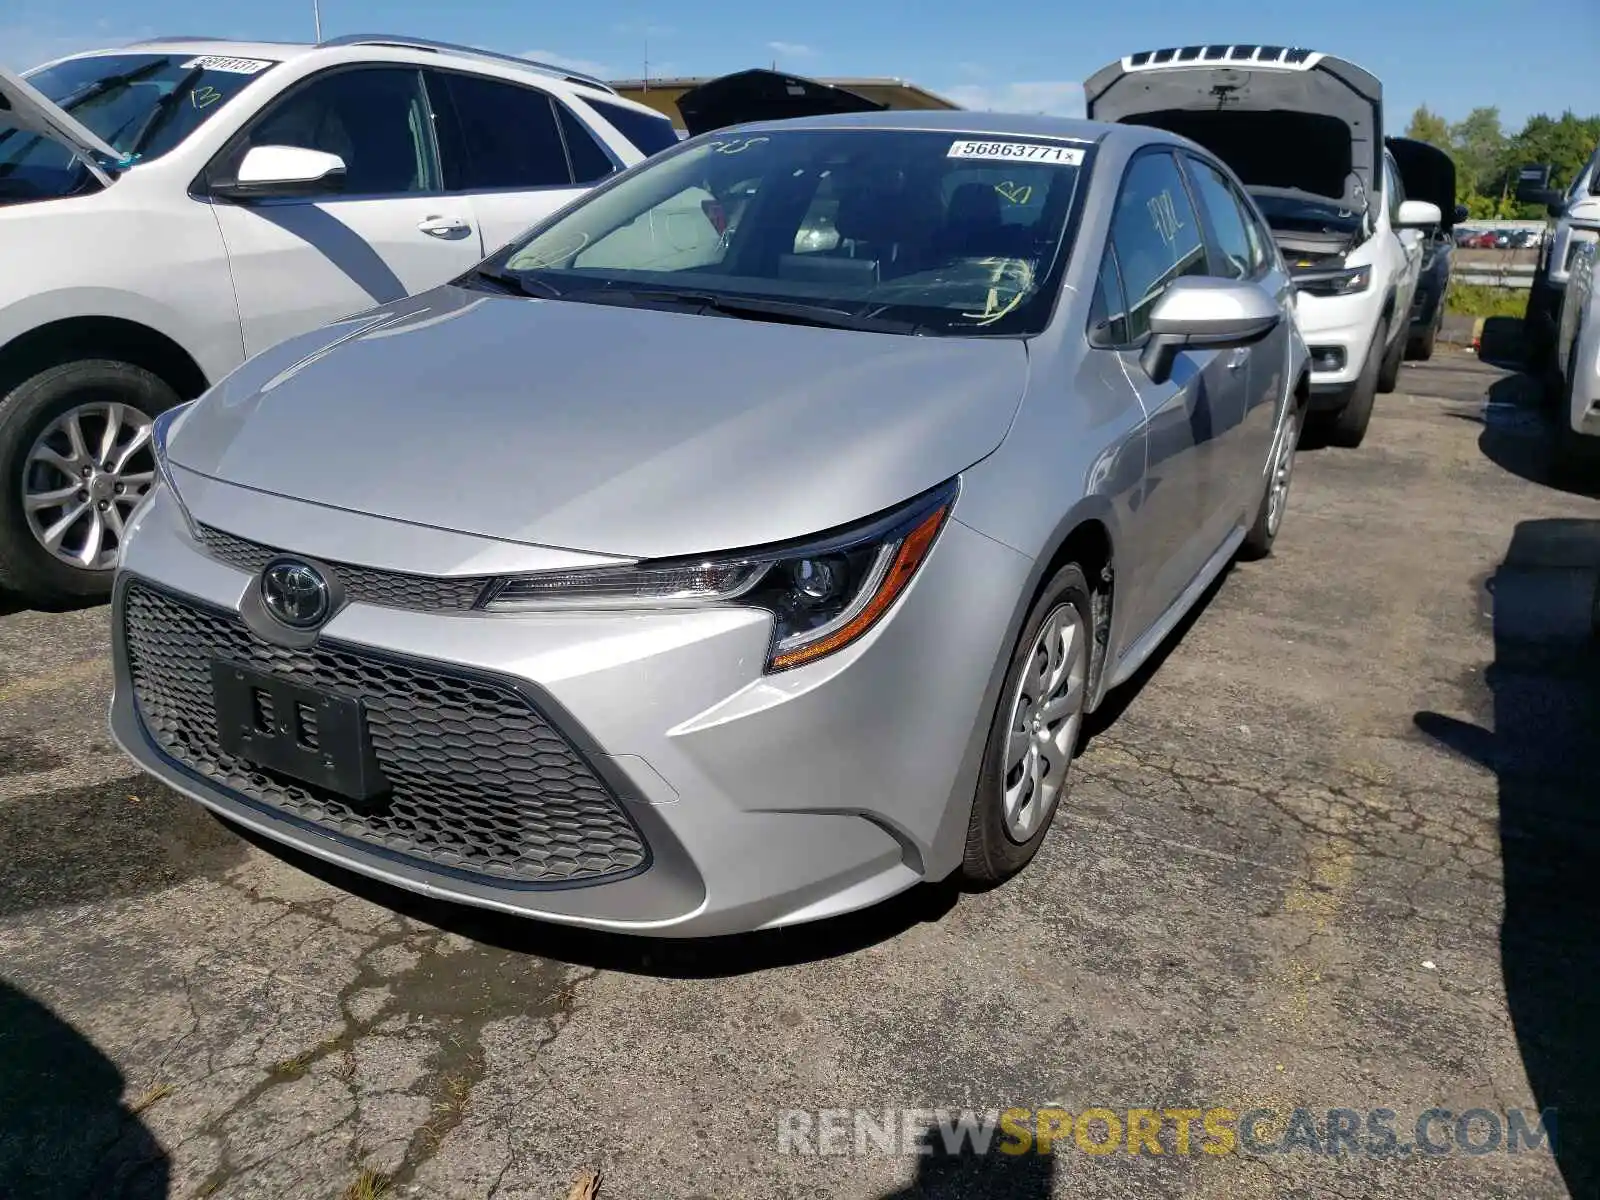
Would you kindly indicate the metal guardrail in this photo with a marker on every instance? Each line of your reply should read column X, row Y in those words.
column 1513, row 275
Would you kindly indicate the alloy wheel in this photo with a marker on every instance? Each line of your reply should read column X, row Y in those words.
column 1046, row 713
column 1282, row 473
column 83, row 477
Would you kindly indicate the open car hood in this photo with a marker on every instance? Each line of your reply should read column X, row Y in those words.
column 25, row 107
column 758, row 95
column 1280, row 117
column 1428, row 173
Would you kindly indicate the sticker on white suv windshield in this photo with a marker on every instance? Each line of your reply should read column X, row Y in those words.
column 1039, row 152
column 232, row 66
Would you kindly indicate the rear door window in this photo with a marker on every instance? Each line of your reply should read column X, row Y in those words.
column 589, row 161
column 1238, row 259
column 499, row 135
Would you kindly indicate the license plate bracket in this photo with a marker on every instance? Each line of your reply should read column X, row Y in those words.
column 303, row 732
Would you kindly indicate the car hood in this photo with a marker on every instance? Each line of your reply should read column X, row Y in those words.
column 1279, row 117
column 1428, row 173
column 759, row 95
column 631, row 432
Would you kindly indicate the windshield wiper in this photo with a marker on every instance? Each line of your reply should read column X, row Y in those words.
column 162, row 108
column 514, row 284
column 789, row 311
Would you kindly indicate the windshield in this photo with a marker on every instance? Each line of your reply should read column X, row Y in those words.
column 142, row 104
column 1304, row 212
column 928, row 232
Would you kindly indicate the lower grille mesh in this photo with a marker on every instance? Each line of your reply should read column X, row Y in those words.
column 481, row 782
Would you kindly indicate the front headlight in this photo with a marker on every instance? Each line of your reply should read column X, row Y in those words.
column 823, row 594
column 1342, row 281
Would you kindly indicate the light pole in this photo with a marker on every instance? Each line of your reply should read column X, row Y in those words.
column 316, row 17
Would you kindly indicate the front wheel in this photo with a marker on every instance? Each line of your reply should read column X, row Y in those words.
column 1034, row 732
column 1348, row 427
column 1275, row 502
column 1389, row 372
column 75, row 460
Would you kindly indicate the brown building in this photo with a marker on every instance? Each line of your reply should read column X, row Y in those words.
column 662, row 94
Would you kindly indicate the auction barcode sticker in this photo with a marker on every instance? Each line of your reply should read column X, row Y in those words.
column 1039, row 152
column 233, row 66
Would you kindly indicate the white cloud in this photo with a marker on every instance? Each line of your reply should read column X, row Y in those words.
column 1063, row 98
column 791, row 49
column 583, row 66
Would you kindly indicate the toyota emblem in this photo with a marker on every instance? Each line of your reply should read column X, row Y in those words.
column 295, row 593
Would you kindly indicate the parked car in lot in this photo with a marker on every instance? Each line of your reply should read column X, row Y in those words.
column 1430, row 174
column 1574, row 380
column 1576, row 214
column 732, row 589
column 1304, row 130
column 171, row 207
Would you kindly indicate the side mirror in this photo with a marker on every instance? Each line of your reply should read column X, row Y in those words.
column 270, row 171
column 1203, row 313
column 1418, row 214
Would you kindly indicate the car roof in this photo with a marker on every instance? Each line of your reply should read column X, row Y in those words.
column 490, row 62
column 978, row 123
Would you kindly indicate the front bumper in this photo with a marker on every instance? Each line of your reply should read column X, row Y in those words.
column 1340, row 328
column 756, row 800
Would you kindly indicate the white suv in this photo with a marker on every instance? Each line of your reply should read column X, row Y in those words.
column 1577, row 225
column 1303, row 131
column 169, row 208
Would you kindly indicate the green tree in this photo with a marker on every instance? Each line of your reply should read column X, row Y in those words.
column 1565, row 142
column 1428, row 126
column 1479, row 145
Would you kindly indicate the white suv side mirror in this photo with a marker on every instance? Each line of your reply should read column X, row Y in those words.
column 1418, row 214
column 283, row 171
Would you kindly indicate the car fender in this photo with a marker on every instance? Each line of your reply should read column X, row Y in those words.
column 215, row 355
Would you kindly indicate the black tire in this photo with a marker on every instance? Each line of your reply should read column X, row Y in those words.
column 1389, row 371
column 1347, row 428
column 1421, row 347
column 26, row 568
column 1257, row 543
column 992, row 855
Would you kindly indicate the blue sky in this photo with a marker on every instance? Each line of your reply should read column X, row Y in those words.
column 1030, row 55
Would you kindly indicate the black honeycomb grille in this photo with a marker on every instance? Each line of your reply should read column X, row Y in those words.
column 481, row 783
column 363, row 585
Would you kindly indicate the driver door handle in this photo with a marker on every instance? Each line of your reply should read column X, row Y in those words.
column 1238, row 358
column 443, row 226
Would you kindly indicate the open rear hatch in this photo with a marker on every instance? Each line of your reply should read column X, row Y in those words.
column 1292, row 123
column 760, row 95
column 24, row 108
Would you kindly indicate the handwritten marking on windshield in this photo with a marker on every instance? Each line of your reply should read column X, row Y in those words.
column 736, row 145
column 202, row 96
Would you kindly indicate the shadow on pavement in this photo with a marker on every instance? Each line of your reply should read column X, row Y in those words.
column 970, row 1176
column 64, row 1131
column 11, row 603
column 1544, row 747
column 1519, row 437
column 677, row 958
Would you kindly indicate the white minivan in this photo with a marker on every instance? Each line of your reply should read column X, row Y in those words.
column 171, row 207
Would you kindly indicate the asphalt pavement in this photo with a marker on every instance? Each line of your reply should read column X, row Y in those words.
column 1335, row 850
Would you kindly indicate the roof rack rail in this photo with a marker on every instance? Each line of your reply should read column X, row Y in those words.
column 414, row 43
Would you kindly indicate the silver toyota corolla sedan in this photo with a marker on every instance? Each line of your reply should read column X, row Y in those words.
column 740, row 547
